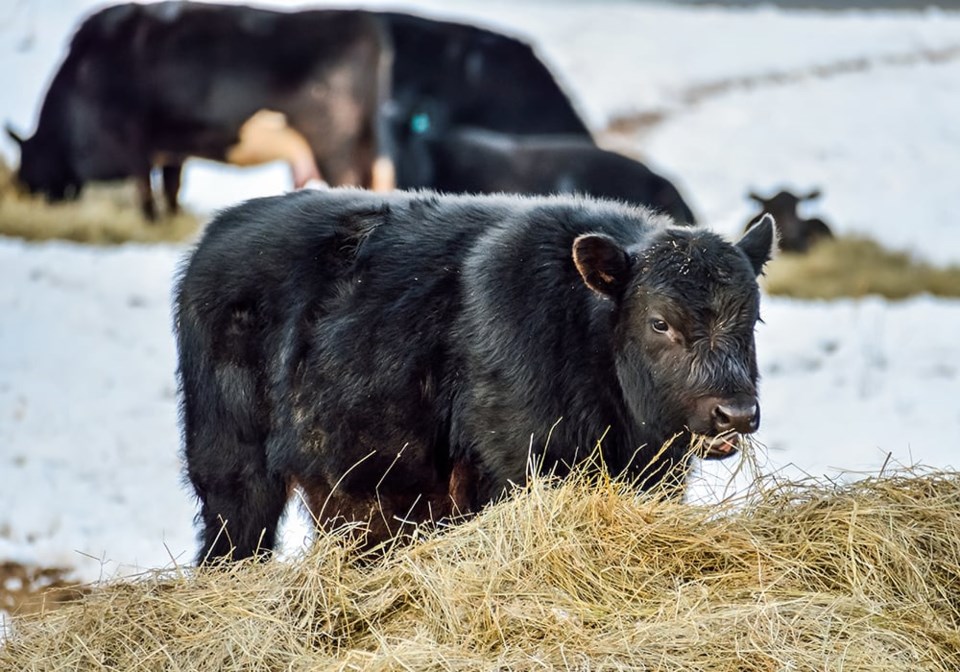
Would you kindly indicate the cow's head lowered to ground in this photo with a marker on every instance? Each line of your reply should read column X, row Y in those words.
column 43, row 169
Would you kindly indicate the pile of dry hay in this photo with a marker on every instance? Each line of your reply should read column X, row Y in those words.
column 581, row 576
column 104, row 215
column 855, row 267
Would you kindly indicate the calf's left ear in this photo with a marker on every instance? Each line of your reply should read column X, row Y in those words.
column 602, row 263
column 760, row 242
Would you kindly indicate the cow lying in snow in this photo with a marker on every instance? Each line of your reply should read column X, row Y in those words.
column 401, row 356
column 796, row 234
column 480, row 161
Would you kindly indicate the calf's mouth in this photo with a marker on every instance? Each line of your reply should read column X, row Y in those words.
column 717, row 447
column 720, row 425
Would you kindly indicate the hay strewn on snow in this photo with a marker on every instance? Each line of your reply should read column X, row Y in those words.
column 106, row 214
column 582, row 576
column 855, row 267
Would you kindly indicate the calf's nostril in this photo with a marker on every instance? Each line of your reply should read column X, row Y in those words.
column 743, row 419
column 721, row 419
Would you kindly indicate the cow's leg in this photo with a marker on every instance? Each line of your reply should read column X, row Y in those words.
column 241, row 500
column 172, row 173
column 225, row 434
column 239, row 512
column 145, row 195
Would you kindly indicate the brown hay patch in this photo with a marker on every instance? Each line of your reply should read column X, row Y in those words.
column 580, row 576
column 26, row 589
column 855, row 267
column 104, row 215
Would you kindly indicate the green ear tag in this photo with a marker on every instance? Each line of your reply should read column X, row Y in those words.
column 420, row 123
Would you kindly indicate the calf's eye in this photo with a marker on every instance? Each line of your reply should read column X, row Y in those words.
column 659, row 326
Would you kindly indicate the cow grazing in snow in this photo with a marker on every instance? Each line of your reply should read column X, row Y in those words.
column 150, row 85
column 146, row 86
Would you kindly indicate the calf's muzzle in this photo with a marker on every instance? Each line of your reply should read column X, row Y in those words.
column 720, row 421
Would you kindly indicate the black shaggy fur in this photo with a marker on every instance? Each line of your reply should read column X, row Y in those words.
column 400, row 357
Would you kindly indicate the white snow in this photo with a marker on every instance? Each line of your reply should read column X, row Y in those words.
column 90, row 476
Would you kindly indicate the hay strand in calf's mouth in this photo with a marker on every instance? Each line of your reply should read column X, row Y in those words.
column 583, row 574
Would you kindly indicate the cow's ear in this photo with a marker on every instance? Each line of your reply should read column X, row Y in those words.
column 602, row 263
column 14, row 135
column 754, row 196
column 760, row 242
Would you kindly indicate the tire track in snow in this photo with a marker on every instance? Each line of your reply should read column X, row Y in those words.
column 637, row 122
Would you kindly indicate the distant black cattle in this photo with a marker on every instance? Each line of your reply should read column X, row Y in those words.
column 796, row 234
column 147, row 86
column 447, row 74
column 480, row 161
column 150, row 85
column 404, row 356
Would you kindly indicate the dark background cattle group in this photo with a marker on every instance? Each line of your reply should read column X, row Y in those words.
column 144, row 87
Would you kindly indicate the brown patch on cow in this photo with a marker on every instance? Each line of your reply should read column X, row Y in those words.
column 389, row 512
column 266, row 137
column 374, row 518
column 462, row 487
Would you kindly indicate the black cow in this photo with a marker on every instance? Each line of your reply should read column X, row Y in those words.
column 447, row 74
column 456, row 74
column 401, row 356
column 480, row 161
column 796, row 234
column 149, row 85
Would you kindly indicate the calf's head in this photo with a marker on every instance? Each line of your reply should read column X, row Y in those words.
column 686, row 305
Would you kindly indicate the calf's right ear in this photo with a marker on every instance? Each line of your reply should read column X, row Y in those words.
column 14, row 135
column 760, row 242
column 602, row 263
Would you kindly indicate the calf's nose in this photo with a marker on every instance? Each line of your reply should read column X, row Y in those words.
column 736, row 417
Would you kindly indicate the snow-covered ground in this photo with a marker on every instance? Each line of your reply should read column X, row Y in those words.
column 864, row 105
